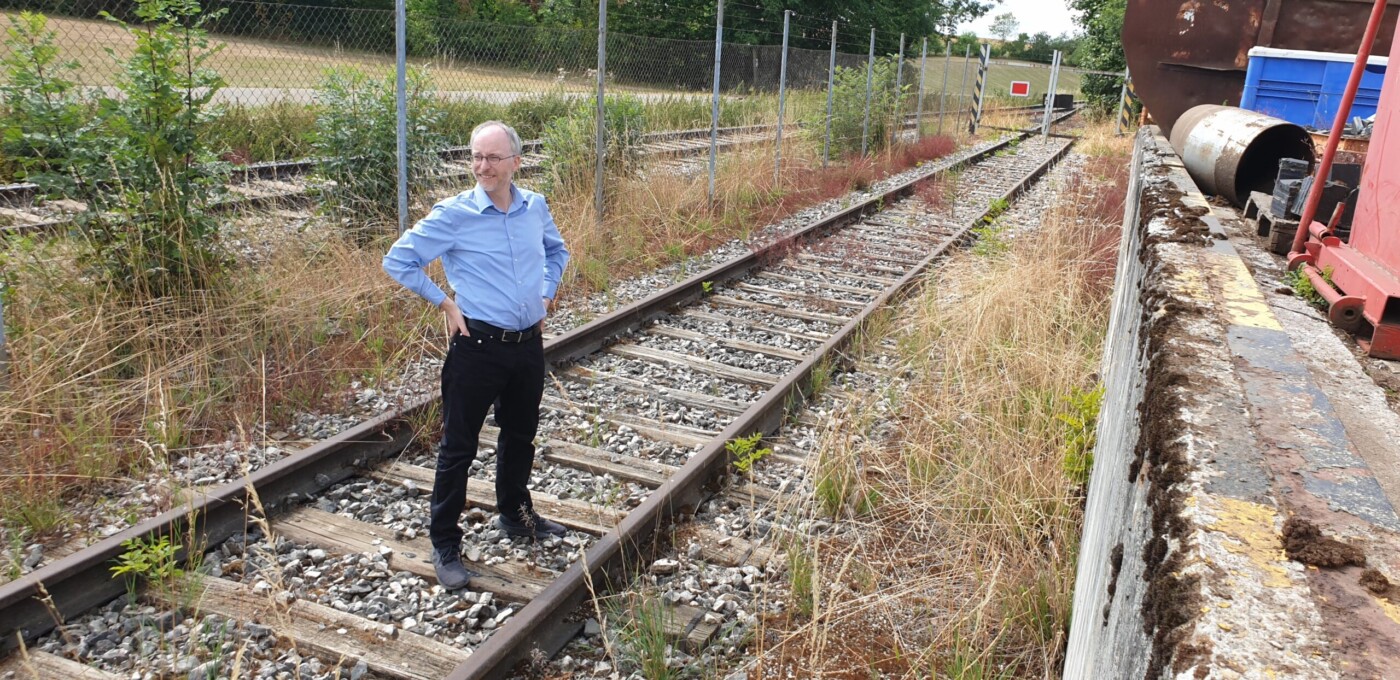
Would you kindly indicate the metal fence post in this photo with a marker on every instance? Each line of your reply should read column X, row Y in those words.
column 401, row 105
column 962, row 91
column 980, row 93
column 714, row 108
column 600, row 142
column 898, row 85
column 1050, row 95
column 1124, row 104
column 943, row 93
column 1045, row 108
column 830, row 90
column 869, row 76
column 919, row 115
column 4, row 350
column 782, row 99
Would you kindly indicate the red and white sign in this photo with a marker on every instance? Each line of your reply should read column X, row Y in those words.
column 1020, row 88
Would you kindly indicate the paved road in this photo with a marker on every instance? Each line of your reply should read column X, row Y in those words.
column 306, row 95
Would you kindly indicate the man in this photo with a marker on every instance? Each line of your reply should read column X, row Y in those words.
column 503, row 256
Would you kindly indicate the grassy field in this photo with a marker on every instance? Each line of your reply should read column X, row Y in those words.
column 252, row 63
column 245, row 62
column 999, row 76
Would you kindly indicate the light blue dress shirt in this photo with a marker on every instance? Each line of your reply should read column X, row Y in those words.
column 501, row 265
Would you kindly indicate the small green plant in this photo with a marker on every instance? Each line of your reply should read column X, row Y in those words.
column 838, row 490
column 1080, row 421
column 707, row 287
column 745, row 451
column 14, row 553
column 157, row 562
column 996, row 210
column 1303, row 286
column 988, row 236
column 821, row 378
column 643, row 635
column 802, row 571
column 152, row 560
column 965, row 661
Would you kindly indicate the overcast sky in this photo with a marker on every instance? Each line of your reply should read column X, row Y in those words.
column 1052, row 16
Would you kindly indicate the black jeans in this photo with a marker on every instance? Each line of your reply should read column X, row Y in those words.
column 480, row 371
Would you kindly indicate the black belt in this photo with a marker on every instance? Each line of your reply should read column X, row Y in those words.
column 497, row 333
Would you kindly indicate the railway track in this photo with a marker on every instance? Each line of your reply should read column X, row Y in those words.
column 279, row 183
column 641, row 404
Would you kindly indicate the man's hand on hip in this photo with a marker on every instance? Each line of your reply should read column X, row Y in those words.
column 548, row 305
column 456, row 323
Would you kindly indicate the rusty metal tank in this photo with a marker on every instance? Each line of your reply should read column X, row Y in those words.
column 1184, row 53
column 1231, row 151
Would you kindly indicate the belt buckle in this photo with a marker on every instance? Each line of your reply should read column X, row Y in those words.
column 519, row 336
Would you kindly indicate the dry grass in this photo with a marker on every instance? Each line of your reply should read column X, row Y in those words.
column 104, row 390
column 961, row 521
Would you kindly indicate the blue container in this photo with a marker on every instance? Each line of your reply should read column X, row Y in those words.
column 1306, row 87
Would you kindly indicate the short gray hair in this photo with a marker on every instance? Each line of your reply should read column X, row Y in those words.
column 515, row 146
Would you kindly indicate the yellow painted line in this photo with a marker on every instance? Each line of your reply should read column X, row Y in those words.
column 1390, row 610
column 1251, row 526
column 1194, row 285
column 1244, row 304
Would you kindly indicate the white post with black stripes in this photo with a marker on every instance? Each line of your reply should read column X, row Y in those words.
column 980, row 94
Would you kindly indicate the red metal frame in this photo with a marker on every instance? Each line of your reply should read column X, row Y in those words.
column 1360, row 280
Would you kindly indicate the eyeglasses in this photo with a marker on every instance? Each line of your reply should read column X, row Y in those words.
column 490, row 161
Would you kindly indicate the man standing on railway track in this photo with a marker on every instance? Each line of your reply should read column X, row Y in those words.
column 503, row 256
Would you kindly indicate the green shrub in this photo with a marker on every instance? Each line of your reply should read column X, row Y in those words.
column 568, row 143
column 531, row 115
column 137, row 159
column 848, row 108
column 456, row 118
column 689, row 113
column 44, row 112
column 254, row 134
column 355, row 142
column 1080, row 423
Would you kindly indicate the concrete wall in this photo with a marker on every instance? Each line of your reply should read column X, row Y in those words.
column 1182, row 568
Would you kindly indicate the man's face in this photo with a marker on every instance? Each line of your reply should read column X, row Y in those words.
column 490, row 144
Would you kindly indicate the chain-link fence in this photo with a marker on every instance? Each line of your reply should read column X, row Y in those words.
column 285, row 67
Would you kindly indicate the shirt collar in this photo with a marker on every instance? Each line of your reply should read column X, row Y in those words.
column 482, row 201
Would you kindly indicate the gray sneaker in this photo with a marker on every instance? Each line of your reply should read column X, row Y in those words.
column 451, row 573
column 533, row 526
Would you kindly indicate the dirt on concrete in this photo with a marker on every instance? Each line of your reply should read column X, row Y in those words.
column 1165, row 202
column 1380, row 586
column 1172, row 598
column 1304, row 542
